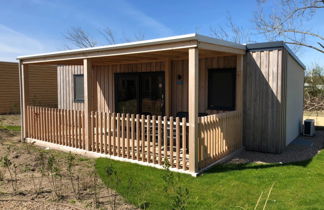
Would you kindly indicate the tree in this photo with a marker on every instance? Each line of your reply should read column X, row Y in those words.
column 81, row 38
column 78, row 37
column 108, row 35
column 288, row 21
column 231, row 32
column 314, row 89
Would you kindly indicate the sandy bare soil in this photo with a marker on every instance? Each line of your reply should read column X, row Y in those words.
column 33, row 182
column 11, row 119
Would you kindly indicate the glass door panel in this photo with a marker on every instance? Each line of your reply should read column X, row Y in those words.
column 127, row 93
column 152, row 94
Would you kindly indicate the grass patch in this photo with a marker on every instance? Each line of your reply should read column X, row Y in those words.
column 296, row 186
column 11, row 127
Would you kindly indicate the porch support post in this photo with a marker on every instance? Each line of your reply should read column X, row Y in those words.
column 167, row 94
column 88, row 101
column 24, row 97
column 193, row 108
column 239, row 91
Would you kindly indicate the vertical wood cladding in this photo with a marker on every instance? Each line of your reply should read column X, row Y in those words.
column 264, row 100
column 42, row 86
column 104, row 94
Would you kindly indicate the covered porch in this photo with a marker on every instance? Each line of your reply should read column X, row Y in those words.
column 168, row 117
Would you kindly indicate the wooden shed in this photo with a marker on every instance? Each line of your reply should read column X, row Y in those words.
column 177, row 99
column 273, row 97
column 43, row 88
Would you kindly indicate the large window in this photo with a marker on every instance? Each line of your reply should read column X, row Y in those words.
column 78, row 88
column 221, row 89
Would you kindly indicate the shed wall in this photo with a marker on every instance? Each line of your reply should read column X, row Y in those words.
column 104, row 80
column 9, row 88
column 264, row 76
column 295, row 99
column 42, row 86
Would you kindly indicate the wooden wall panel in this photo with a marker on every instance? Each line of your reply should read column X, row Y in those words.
column 43, row 86
column 179, row 98
column 65, row 87
column 9, row 88
column 264, row 101
column 104, row 94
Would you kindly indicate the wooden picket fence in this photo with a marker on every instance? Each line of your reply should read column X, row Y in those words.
column 57, row 126
column 145, row 138
column 151, row 139
column 220, row 135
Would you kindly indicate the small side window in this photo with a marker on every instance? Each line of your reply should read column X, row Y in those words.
column 78, row 88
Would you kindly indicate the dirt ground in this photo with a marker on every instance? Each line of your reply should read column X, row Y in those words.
column 33, row 182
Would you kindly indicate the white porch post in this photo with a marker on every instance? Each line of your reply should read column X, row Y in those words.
column 24, row 97
column 88, row 101
column 193, row 108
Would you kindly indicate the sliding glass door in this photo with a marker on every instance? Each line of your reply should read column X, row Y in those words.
column 140, row 93
column 127, row 93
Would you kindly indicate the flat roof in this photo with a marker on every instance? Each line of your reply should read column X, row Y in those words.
column 171, row 39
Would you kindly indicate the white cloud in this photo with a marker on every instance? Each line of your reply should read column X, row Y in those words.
column 144, row 19
column 14, row 43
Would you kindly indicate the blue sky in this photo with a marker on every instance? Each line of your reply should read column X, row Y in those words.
column 35, row 26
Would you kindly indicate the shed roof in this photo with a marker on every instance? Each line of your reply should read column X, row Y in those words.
column 151, row 42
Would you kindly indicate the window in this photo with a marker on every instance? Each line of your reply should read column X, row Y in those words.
column 78, row 88
column 221, row 89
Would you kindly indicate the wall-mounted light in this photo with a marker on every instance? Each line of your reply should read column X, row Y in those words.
column 179, row 79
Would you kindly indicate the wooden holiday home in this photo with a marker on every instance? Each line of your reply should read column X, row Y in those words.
column 190, row 100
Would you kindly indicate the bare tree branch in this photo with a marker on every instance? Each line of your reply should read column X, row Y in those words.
column 80, row 38
column 305, row 45
column 108, row 35
column 231, row 32
column 287, row 23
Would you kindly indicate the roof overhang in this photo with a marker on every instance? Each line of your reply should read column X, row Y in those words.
column 174, row 43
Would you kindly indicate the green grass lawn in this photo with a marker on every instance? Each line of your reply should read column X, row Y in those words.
column 296, row 186
column 11, row 127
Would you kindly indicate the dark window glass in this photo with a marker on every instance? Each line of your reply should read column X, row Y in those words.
column 126, row 93
column 140, row 93
column 152, row 100
column 221, row 89
column 78, row 88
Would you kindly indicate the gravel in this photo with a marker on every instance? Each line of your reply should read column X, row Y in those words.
column 302, row 148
